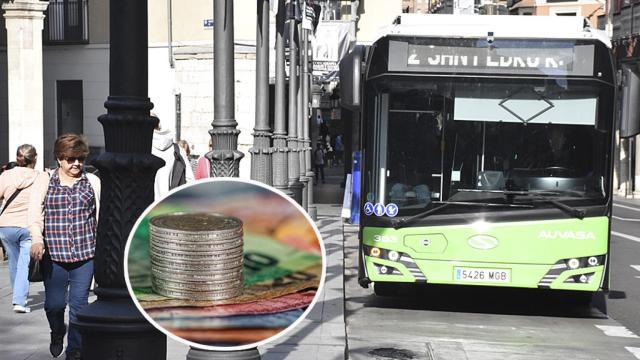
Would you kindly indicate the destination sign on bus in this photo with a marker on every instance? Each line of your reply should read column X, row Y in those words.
column 571, row 60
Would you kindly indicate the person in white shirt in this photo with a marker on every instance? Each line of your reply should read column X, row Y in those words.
column 163, row 147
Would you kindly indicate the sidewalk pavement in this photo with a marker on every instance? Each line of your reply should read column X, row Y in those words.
column 631, row 200
column 320, row 336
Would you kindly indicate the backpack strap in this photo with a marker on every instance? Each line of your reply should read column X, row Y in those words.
column 9, row 200
column 177, row 176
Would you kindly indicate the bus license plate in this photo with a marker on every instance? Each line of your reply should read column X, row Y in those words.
column 482, row 275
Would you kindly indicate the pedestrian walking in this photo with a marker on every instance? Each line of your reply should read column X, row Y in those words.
column 328, row 153
column 176, row 170
column 339, row 148
column 318, row 156
column 16, row 185
column 8, row 166
column 184, row 146
column 65, row 207
column 203, row 169
column 193, row 159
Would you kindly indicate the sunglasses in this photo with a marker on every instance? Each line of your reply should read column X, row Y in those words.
column 72, row 159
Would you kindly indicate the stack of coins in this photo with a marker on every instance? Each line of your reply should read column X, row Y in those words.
column 196, row 256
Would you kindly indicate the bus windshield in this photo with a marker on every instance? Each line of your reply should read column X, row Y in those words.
column 471, row 140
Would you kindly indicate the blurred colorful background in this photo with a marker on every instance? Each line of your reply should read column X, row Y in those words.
column 283, row 266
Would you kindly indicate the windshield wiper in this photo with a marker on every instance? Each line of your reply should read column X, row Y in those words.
column 400, row 223
column 577, row 213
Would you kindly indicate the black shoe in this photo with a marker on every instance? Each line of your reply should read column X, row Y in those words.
column 76, row 355
column 57, row 344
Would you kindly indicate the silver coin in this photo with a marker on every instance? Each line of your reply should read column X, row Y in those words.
column 184, row 286
column 196, row 246
column 199, row 296
column 202, row 259
column 196, row 273
column 187, row 270
column 208, row 236
column 197, row 277
column 196, row 280
column 195, row 264
column 195, row 250
column 195, row 257
column 195, row 223
column 180, row 284
column 195, row 267
column 202, row 285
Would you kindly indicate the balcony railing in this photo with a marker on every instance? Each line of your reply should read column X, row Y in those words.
column 66, row 22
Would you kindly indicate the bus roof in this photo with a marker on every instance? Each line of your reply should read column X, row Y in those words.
column 502, row 26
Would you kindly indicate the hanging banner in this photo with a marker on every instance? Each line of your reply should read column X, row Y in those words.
column 273, row 4
column 463, row 7
column 330, row 45
column 307, row 16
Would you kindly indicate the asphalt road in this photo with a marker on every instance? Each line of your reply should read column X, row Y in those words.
column 623, row 300
column 480, row 324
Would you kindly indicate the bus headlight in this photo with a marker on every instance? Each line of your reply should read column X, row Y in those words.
column 393, row 255
column 573, row 263
column 383, row 270
column 375, row 252
column 593, row 261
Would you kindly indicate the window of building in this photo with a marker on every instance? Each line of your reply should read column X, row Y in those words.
column 66, row 22
column 330, row 9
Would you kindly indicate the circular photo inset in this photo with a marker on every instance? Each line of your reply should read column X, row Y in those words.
column 224, row 264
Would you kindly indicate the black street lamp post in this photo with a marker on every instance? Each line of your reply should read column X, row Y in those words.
column 280, row 150
column 299, row 117
column 112, row 327
column 306, row 84
column 292, row 141
column 225, row 157
column 261, row 167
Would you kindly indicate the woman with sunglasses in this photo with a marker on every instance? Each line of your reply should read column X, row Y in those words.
column 64, row 207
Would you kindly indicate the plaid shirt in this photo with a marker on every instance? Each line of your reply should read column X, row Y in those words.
column 70, row 220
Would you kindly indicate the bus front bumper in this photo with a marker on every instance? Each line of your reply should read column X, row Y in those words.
column 545, row 276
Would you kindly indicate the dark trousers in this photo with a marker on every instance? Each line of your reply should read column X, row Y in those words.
column 60, row 280
column 320, row 170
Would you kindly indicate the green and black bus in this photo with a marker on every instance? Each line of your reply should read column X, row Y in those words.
column 487, row 153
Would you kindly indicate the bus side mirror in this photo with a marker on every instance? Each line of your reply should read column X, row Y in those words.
column 630, row 110
column 350, row 78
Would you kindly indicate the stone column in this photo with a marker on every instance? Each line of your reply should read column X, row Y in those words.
column 112, row 327
column 24, row 21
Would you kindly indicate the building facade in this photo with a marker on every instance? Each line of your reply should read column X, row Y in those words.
column 76, row 67
column 626, row 29
column 589, row 9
